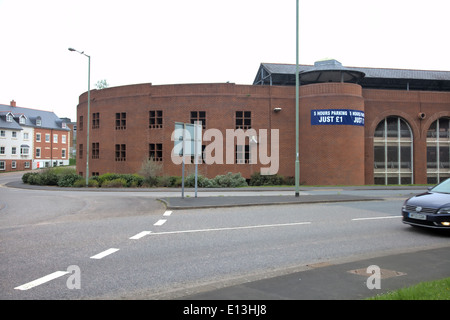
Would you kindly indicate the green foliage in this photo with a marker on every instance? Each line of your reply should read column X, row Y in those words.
column 115, row 183
column 257, row 179
column 68, row 180
column 228, row 180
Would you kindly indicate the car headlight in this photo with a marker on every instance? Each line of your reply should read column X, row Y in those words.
column 445, row 210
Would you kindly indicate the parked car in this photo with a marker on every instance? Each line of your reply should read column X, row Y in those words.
column 430, row 209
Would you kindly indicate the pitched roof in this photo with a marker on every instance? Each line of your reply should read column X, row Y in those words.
column 49, row 120
column 376, row 78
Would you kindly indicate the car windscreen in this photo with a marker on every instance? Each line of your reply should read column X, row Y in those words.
column 443, row 187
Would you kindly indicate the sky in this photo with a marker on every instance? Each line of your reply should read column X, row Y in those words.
column 202, row 41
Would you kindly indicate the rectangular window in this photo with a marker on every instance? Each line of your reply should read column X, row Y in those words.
column 242, row 154
column 80, row 124
column 95, row 150
column 27, row 164
column 38, row 137
column 80, row 151
column 2, row 133
column 2, row 150
column 243, row 120
column 121, row 152
column 155, row 151
column 38, row 152
column 13, row 150
column 64, row 139
column 25, row 136
column 121, row 120
column 155, row 119
column 13, row 164
column 63, row 153
column 55, row 138
column 24, row 151
column 2, row 165
column 47, row 137
column 199, row 116
column 95, row 120
column 14, row 134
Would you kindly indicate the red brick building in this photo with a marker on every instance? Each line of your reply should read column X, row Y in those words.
column 357, row 125
column 31, row 139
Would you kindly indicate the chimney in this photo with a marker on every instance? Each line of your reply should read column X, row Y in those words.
column 13, row 103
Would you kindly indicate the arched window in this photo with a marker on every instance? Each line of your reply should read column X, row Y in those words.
column 438, row 151
column 393, row 152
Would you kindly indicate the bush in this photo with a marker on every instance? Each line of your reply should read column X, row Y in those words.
column 230, row 180
column 257, row 179
column 150, row 170
column 69, row 180
column 115, row 183
column 26, row 176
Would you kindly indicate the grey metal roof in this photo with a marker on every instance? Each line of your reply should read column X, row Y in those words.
column 49, row 120
column 377, row 78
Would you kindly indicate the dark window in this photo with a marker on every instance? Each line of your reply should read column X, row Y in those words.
column 155, row 119
column 155, row 151
column 243, row 120
column 80, row 125
column 199, row 116
column 121, row 152
column 80, row 151
column 95, row 120
column 95, row 150
column 121, row 120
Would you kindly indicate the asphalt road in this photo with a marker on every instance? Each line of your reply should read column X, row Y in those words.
column 66, row 244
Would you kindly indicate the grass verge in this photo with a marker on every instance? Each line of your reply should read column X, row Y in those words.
column 432, row 290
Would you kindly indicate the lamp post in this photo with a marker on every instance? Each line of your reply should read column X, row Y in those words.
column 297, row 162
column 88, row 112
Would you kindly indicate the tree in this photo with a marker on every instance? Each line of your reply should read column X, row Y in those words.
column 102, row 84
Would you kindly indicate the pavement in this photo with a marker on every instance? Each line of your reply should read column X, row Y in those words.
column 335, row 280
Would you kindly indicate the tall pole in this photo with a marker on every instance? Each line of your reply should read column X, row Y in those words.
column 88, row 112
column 88, row 120
column 297, row 162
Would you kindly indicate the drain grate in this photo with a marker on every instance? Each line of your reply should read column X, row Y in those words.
column 385, row 273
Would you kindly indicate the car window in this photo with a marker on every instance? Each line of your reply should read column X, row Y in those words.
column 443, row 187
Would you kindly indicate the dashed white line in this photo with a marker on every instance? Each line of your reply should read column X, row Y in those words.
column 167, row 213
column 42, row 280
column 140, row 235
column 160, row 222
column 104, row 253
column 376, row 218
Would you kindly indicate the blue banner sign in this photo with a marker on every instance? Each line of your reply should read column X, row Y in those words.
column 337, row 117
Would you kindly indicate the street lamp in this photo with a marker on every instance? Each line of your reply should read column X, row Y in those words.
column 88, row 112
column 297, row 83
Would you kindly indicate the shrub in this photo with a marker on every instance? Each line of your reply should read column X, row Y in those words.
column 150, row 170
column 69, row 180
column 230, row 180
column 26, row 176
column 115, row 183
column 257, row 179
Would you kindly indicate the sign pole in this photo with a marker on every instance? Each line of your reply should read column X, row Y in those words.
column 182, row 170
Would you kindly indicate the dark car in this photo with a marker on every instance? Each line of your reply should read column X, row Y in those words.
column 430, row 209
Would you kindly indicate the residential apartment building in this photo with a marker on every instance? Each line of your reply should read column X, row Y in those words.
column 31, row 139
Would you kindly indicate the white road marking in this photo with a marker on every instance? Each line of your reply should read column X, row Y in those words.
column 104, row 253
column 160, row 222
column 233, row 228
column 376, row 218
column 140, row 235
column 167, row 213
column 42, row 280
